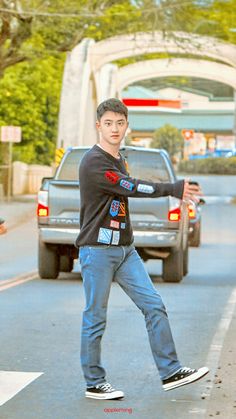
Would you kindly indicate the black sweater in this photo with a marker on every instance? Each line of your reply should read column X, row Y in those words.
column 105, row 187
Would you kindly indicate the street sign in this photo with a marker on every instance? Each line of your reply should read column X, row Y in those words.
column 187, row 133
column 11, row 134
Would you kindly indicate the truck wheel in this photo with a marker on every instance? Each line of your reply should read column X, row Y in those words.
column 185, row 261
column 173, row 266
column 48, row 261
column 66, row 263
column 196, row 237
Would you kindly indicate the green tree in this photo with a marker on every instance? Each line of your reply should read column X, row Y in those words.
column 34, row 34
column 29, row 97
column 218, row 20
column 169, row 138
column 33, row 28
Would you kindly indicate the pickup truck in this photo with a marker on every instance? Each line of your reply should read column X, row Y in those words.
column 160, row 225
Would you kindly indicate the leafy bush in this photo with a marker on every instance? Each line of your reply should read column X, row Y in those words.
column 217, row 166
column 169, row 138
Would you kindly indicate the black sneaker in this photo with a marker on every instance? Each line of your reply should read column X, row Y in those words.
column 103, row 391
column 183, row 376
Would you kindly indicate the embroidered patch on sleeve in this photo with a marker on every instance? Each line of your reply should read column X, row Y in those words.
column 122, row 212
column 115, row 237
column 114, row 224
column 126, row 184
column 112, row 177
column 122, row 225
column 104, row 235
column 145, row 188
column 114, row 208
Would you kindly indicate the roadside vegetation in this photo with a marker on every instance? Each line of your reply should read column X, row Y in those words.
column 169, row 138
column 216, row 165
column 35, row 36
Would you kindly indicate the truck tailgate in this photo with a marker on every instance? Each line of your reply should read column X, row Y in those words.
column 150, row 213
column 64, row 203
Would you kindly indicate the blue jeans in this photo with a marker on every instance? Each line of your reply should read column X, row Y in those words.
column 99, row 266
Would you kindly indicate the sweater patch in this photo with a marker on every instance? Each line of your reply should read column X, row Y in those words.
column 114, row 224
column 126, row 184
column 145, row 188
column 115, row 237
column 114, row 208
column 104, row 235
column 122, row 212
column 112, row 177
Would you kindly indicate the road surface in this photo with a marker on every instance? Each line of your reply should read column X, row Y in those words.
column 40, row 331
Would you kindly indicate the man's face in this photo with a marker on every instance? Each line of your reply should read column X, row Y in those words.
column 112, row 127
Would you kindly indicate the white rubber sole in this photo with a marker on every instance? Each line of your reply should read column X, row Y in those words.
column 187, row 380
column 105, row 396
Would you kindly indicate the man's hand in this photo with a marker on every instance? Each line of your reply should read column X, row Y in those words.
column 191, row 191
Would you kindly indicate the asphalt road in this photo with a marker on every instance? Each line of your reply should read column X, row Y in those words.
column 40, row 331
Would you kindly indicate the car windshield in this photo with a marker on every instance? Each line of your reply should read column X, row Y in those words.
column 141, row 165
column 69, row 170
column 147, row 165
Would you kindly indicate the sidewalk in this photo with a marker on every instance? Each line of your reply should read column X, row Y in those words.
column 18, row 210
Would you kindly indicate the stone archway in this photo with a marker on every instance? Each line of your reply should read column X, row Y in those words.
column 117, row 47
column 90, row 76
column 176, row 67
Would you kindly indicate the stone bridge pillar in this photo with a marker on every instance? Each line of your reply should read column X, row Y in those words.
column 78, row 99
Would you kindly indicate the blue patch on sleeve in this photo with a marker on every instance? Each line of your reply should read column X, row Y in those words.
column 126, row 184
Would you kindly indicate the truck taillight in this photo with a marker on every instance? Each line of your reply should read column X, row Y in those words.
column 191, row 211
column 174, row 214
column 42, row 209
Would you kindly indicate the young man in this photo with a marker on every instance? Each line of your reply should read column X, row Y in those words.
column 107, row 253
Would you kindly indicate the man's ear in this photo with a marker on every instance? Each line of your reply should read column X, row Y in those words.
column 98, row 125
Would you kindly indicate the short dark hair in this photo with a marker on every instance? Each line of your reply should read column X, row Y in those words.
column 112, row 105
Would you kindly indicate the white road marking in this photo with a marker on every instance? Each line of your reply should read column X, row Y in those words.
column 17, row 280
column 12, row 382
column 217, row 343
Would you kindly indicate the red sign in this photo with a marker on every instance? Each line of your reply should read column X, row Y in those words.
column 165, row 103
column 11, row 134
column 187, row 134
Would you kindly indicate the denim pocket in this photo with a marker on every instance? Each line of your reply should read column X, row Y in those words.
column 84, row 253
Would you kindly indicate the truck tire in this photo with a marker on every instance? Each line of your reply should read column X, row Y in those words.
column 196, row 237
column 185, row 261
column 173, row 266
column 48, row 261
column 66, row 263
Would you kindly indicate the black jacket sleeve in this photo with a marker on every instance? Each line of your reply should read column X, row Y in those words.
column 112, row 181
